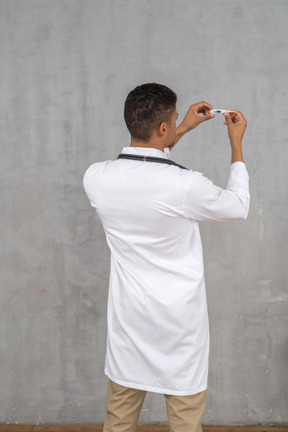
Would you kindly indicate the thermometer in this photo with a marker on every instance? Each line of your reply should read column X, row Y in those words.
column 219, row 111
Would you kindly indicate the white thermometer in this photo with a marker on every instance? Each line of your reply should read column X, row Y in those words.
column 219, row 111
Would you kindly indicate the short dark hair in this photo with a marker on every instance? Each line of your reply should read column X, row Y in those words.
column 146, row 107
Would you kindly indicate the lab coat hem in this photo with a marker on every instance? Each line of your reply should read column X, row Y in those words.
column 153, row 389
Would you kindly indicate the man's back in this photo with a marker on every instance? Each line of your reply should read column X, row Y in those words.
column 158, row 332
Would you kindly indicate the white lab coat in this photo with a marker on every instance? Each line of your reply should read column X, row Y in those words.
column 158, row 329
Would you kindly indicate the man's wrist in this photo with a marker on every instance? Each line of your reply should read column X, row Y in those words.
column 180, row 131
column 236, row 143
column 236, row 153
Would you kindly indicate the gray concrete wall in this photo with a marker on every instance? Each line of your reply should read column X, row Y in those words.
column 66, row 68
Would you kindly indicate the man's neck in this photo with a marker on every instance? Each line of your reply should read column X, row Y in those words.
column 148, row 144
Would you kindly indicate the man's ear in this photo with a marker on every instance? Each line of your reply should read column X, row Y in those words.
column 162, row 128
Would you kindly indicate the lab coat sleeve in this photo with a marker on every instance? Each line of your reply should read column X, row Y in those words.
column 89, row 183
column 206, row 201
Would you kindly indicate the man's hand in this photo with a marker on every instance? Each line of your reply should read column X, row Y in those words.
column 236, row 124
column 197, row 113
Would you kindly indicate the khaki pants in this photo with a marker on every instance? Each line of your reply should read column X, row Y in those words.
column 124, row 405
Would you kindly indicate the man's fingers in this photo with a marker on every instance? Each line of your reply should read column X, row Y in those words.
column 228, row 119
column 206, row 117
column 236, row 117
column 207, row 106
column 196, row 114
column 203, row 108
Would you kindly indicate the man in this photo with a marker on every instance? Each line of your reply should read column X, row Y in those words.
column 158, row 331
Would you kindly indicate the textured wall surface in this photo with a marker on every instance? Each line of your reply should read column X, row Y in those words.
column 66, row 68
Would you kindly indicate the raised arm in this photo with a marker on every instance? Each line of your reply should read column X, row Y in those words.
column 206, row 201
column 196, row 114
column 236, row 124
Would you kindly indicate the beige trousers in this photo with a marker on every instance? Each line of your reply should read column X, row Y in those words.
column 124, row 405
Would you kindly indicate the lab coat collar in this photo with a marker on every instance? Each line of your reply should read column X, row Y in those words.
column 147, row 151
